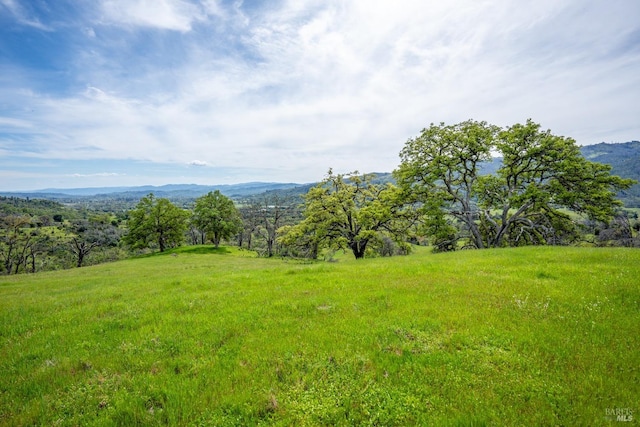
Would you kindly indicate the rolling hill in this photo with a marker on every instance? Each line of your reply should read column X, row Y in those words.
column 625, row 162
column 205, row 336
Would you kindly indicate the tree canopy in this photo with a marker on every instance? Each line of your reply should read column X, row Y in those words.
column 216, row 216
column 87, row 234
column 348, row 211
column 525, row 202
column 156, row 222
column 19, row 244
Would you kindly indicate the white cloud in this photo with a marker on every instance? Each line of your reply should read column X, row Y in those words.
column 14, row 124
column 198, row 163
column 175, row 15
column 23, row 16
column 214, row 8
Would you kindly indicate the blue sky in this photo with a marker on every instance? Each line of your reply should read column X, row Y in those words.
column 136, row 92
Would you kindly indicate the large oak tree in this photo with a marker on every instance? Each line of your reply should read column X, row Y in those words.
column 541, row 176
column 348, row 211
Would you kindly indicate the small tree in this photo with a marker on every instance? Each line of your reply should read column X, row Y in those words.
column 263, row 216
column 156, row 222
column 251, row 219
column 217, row 216
column 618, row 232
column 349, row 211
column 88, row 234
column 300, row 240
column 21, row 244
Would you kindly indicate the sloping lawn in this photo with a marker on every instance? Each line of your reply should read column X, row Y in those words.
column 530, row 336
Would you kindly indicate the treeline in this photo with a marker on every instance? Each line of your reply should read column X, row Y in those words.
column 253, row 224
column 41, row 235
column 544, row 192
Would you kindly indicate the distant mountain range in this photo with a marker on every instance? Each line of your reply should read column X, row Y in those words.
column 172, row 191
column 624, row 159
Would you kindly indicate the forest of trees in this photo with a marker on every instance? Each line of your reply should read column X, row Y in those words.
column 544, row 192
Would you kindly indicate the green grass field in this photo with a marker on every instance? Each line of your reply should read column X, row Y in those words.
column 530, row 336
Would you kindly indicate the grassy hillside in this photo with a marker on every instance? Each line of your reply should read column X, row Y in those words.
column 530, row 336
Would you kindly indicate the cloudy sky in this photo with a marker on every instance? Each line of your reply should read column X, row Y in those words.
column 133, row 92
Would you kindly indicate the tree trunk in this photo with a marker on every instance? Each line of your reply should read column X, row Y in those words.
column 270, row 242
column 500, row 236
column 161, row 243
column 475, row 232
column 359, row 248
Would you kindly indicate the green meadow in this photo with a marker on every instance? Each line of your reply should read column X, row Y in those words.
column 204, row 336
